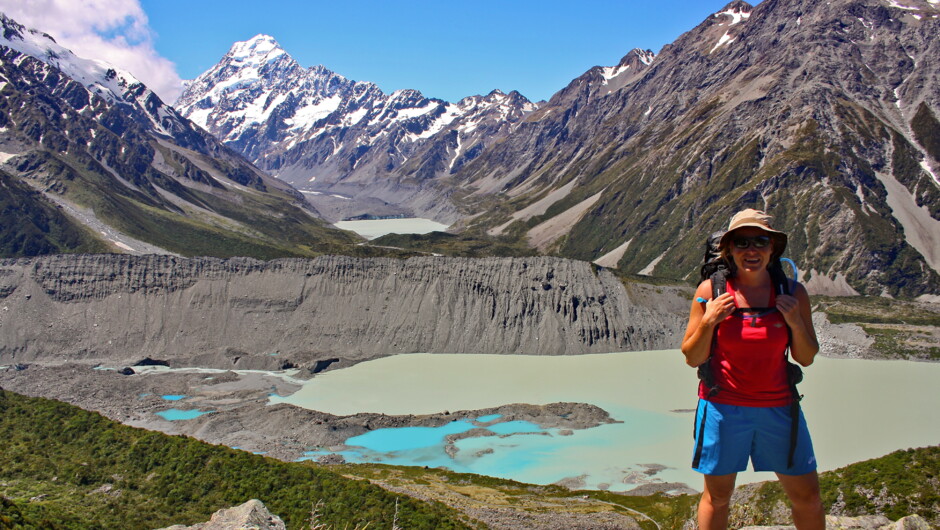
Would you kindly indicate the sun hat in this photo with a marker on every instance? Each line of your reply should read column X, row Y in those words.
column 758, row 219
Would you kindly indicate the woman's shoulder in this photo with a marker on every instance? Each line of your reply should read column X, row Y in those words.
column 797, row 289
column 705, row 289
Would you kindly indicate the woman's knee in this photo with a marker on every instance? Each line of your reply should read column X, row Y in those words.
column 803, row 490
column 718, row 489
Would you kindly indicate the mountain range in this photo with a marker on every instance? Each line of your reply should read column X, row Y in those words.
column 822, row 113
column 94, row 161
column 328, row 135
column 825, row 114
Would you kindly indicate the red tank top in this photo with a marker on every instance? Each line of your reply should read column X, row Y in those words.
column 749, row 360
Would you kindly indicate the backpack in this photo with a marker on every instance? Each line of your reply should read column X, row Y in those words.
column 717, row 270
column 712, row 261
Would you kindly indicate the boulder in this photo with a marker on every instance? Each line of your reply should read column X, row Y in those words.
column 253, row 515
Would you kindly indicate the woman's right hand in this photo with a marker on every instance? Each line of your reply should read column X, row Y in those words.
column 703, row 318
column 718, row 309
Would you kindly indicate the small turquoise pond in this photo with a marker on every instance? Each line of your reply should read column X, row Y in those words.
column 173, row 397
column 406, row 438
column 177, row 414
column 424, row 446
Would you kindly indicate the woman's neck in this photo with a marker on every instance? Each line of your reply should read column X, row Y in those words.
column 745, row 278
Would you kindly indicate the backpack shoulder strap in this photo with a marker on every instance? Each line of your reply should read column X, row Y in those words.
column 719, row 280
column 779, row 279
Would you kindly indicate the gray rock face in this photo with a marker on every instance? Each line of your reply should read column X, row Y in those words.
column 246, row 313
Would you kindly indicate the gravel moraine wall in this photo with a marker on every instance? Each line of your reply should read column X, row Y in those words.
column 245, row 313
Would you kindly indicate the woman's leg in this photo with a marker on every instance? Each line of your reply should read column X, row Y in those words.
column 716, row 499
column 803, row 491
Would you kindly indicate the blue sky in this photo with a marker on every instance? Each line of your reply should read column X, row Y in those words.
column 446, row 50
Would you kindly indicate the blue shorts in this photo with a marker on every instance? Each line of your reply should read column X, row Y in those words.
column 727, row 436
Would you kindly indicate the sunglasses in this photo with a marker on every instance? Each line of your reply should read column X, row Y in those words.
column 756, row 241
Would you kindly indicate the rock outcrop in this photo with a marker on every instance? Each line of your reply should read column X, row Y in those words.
column 866, row 522
column 245, row 313
column 253, row 515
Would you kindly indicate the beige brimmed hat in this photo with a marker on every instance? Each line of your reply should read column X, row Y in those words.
column 759, row 219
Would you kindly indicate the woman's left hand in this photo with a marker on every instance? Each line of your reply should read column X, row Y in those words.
column 789, row 306
column 798, row 316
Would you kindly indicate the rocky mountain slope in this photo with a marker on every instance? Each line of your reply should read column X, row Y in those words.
column 326, row 134
column 251, row 314
column 824, row 113
column 93, row 160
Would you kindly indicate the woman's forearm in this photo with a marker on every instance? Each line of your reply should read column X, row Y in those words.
column 803, row 345
column 697, row 346
column 803, row 342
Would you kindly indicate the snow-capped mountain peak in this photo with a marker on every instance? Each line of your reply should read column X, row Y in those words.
column 315, row 128
column 260, row 46
column 98, row 76
column 634, row 60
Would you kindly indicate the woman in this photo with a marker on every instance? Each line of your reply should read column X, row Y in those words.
column 748, row 415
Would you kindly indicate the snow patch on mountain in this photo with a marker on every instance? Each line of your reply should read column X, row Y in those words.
column 610, row 72
column 313, row 110
column 621, row 75
column 737, row 16
column 894, row 3
column 725, row 39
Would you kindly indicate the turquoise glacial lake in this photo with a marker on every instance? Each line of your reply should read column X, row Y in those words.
column 856, row 410
column 179, row 415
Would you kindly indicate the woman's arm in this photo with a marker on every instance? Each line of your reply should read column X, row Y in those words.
column 798, row 314
column 703, row 318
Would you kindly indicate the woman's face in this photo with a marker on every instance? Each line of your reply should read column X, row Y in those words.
column 751, row 248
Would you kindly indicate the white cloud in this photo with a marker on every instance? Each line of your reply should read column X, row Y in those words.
column 115, row 31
